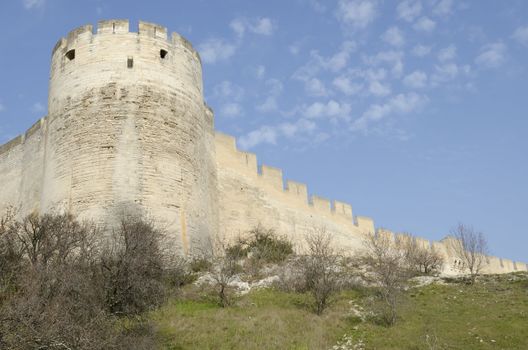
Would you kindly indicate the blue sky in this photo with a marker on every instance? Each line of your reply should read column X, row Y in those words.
column 415, row 112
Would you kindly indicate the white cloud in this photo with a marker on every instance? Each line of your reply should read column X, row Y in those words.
column 270, row 134
column 228, row 90
column 332, row 109
column 38, row 107
column 394, row 37
column 294, row 49
column 269, row 105
column 408, row 10
column 393, row 58
column 356, row 13
column 448, row 71
column 421, row 50
column 425, row 24
column 2, row 107
column 315, row 87
column 31, row 4
column 238, row 26
column 416, row 80
column 275, row 86
column 216, row 50
column 492, row 55
column 260, row 71
column 447, row 53
column 444, row 73
column 293, row 129
column 379, row 89
column 262, row 26
column 443, row 8
column 264, row 134
column 231, row 110
column 400, row 104
column 346, row 86
column 521, row 35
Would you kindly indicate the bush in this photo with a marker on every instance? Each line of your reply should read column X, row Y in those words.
column 321, row 270
column 59, row 289
column 132, row 268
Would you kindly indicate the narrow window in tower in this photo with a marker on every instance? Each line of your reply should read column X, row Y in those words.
column 70, row 54
column 130, row 62
column 163, row 53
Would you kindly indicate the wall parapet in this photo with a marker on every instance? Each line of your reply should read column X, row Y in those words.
column 273, row 178
column 120, row 27
column 21, row 139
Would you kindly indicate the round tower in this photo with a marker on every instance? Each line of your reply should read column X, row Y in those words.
column 129, row 131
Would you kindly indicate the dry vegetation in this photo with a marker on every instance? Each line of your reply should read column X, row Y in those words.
column 62, row 287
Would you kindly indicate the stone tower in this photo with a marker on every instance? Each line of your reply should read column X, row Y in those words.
column 128, row 130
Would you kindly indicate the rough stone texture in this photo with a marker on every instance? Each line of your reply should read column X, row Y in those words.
column 128, row 131
column 121, row 140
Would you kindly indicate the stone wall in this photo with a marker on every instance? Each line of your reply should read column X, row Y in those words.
column 249, row 196
column 127, row 131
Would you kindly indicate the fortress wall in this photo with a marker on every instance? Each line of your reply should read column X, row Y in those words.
column 21, row 169
column 247, row 198
column 119, row 138
column 11, row 155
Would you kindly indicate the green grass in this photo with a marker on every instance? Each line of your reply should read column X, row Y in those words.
column 493, row 314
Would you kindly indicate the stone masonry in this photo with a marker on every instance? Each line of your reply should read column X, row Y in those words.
column 128, row 132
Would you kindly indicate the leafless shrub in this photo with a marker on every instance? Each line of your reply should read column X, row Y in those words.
column 132, row 268
column 60, row 298
column 224, row 267
column 420, row 259
column 471, row 248
column 320, row 267
column 385, row 267
column 55, row 304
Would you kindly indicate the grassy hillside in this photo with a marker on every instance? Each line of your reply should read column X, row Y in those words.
column 492, row 314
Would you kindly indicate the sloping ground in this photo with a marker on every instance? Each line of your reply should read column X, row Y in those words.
column 492, row 314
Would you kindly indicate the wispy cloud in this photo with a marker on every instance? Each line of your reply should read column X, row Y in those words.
column 521, row 35
column 2, row 107
column 346, row 85
column 408, row 10
column 447, row 54
column 270, row 134
column 228, row 90
column 443, row 8
column 332, row 109
column 357, row 14
column 216, row 50
column 424, row 24
column 393, row 36
column 416, row 80
column 491, row 55
column 33, row 4
column 421, row 50
column 38, row 107
column 262, row 26
column 399, row 104
column 231, row 110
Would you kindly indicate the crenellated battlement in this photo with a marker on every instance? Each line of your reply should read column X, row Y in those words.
column 122, row 27
column 127, row 128
column 272, row 179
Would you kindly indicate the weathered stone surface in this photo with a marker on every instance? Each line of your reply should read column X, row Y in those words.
column 128, row 131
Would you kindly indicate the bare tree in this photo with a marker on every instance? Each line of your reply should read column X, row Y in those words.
column 420, row 259
column 385, row 267
column 470, row 247
column 224, row 267
column 320, row 267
